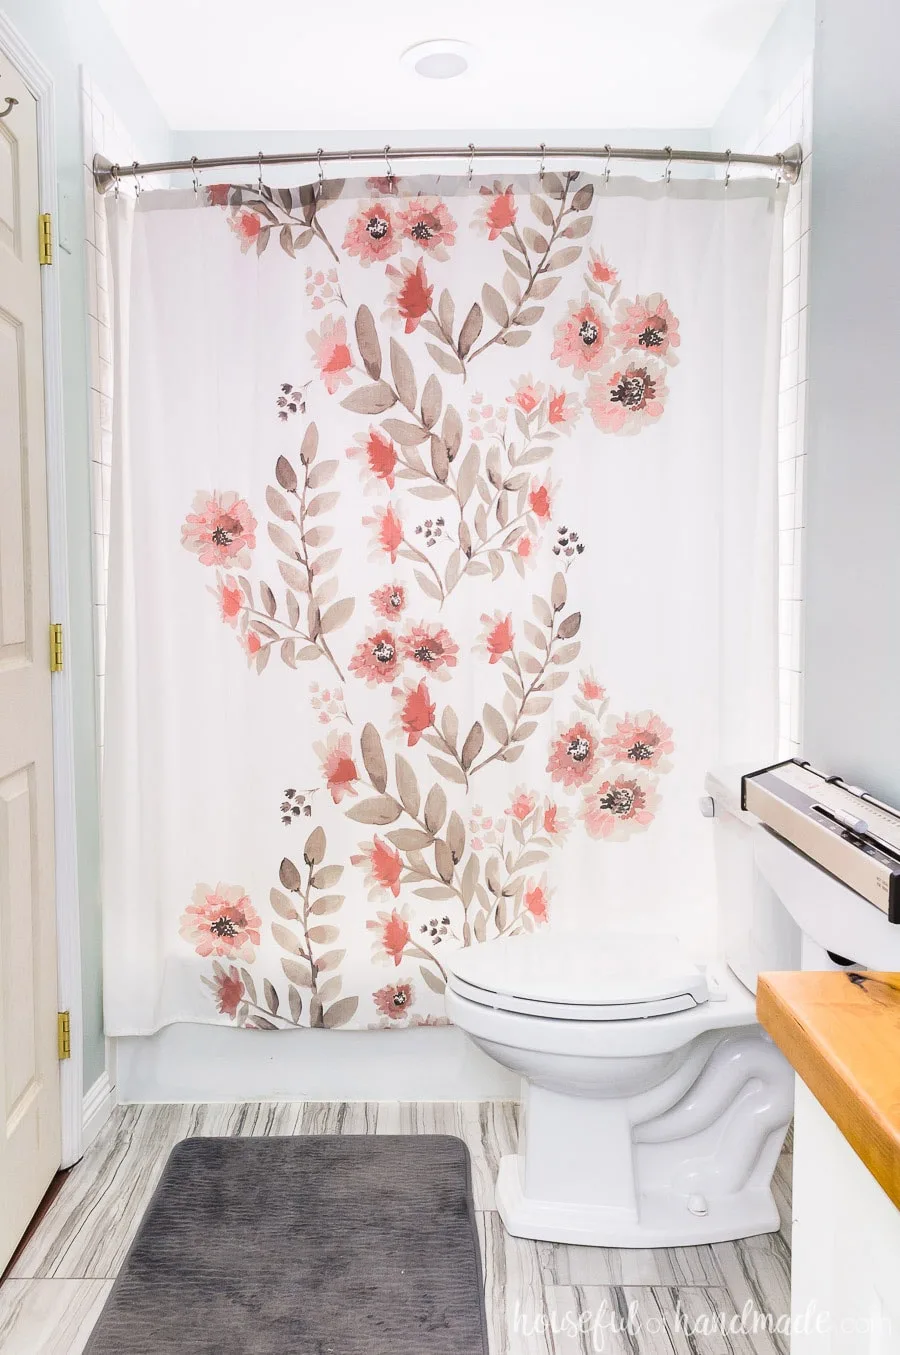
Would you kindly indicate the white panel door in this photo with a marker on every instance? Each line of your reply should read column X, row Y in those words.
column 29, row 1071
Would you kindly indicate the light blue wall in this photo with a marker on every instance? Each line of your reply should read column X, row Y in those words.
column 852, row 694
column 64, row 36
column 786, row 46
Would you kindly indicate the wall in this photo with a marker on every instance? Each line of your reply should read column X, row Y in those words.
column 770, row 110
column 64, row 36
column 853, row 565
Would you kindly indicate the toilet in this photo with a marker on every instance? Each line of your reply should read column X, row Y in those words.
column 654, row 1105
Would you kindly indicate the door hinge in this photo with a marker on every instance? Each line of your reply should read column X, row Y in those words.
column 45, row 238
column 56, row 647
column 63, row 1036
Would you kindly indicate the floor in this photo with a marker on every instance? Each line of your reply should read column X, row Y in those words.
column 542, row 1298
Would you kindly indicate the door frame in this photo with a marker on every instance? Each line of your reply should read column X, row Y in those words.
column 68, row 928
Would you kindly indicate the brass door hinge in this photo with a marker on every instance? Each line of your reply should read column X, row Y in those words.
column 56, row 647
column 45, row 238
column 63, row 1036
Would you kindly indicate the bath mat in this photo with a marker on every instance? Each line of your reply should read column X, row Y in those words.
column 331, row 1245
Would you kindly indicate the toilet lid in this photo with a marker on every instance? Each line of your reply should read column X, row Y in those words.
column 588, row 977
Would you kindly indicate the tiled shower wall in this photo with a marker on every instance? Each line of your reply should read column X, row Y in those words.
column 789, row 120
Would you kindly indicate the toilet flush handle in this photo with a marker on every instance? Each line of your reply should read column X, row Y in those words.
column 707, row 806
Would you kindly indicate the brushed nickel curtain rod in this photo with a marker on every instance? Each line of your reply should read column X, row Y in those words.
column 787, row 164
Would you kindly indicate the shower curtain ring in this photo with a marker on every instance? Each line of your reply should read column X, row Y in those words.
column 608, row 149
column 471, row 160
column 779, row 177
column 319, row 163
column 138, row 189
column 387, row 164
column 259, row 182
column 115, row 175
column 728, row 167
column 541, row 170
column 196, row 176
column 668, row 174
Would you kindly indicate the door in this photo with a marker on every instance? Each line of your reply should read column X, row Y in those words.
column 29, row 1071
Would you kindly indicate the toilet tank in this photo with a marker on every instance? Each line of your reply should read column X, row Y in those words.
column 756, row 932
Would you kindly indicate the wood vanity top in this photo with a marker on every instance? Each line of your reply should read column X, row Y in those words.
column 841, row 1032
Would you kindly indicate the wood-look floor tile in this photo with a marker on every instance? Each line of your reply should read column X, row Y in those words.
column 49, row 1317
column 514, row 1290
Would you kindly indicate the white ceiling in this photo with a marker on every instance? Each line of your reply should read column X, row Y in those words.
column 334, row 64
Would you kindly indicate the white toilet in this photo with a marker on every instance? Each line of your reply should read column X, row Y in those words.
column 655, row 1107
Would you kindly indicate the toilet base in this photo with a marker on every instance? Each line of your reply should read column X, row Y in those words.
column 664, row 1220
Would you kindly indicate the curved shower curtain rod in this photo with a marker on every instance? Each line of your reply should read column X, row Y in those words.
column 787, row 164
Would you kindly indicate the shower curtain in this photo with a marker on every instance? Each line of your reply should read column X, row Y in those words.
column 442, row 568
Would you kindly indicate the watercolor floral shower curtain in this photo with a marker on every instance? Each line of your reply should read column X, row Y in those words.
column 442, row 567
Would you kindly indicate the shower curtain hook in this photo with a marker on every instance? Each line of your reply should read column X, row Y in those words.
column 259, row 182
column 541, row 171
column 138, row 188
column 196, row 176
column 115, row 175
column 319, row 163
column 779, row 177
column 608, row 149
column 668, row 174
column 728, row 167
column 387, row 162
column 471, row 160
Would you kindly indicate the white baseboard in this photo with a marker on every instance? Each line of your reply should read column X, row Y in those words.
column 187, row 1062
column 97, row 1106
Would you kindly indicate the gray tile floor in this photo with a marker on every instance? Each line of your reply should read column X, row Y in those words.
column 542, row 1298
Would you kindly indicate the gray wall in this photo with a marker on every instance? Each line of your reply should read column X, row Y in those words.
column 852, row 694
column 64, row 36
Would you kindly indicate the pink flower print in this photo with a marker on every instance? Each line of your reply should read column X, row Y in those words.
column 527, row 394
column 375, row 658
column 616, row 809
column 536, row 899
column 601, row 272
column 383, row 867
column 539, row 499
column 379, row 455
column 482, row 830
column 641, row 739
column 230, row 598
column 228, row 989
column 372, row 235
column 251, row 644
column 391, row 935
column 497, row 212
column 415, row 712
column 563, row 410
column 431, row 647
column 221, row 922
column 582, row 339
column 389, row 600
column 331, row 353
column 647, row 324
column 410, row 296
column 573, row 756
column 590, row 688
column 217, row 194
column 246, row 225
column 221, row 530
column 388, row 532
column 394, row 1000
column 338, row 767
column 525, row 547
column 624, row 400
column 523, row 804
column 498, row 636
column 384, row 185
column 556, row 821
column 427, row 223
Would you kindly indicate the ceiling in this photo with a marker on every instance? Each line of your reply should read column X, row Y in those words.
column 292, row 64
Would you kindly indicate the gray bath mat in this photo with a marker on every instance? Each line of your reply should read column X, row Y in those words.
column 332, row 1245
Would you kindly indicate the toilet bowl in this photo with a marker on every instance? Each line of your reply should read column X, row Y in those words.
column 654, row 1105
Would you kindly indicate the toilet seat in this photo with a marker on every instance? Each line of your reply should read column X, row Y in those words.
column 610, row 976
